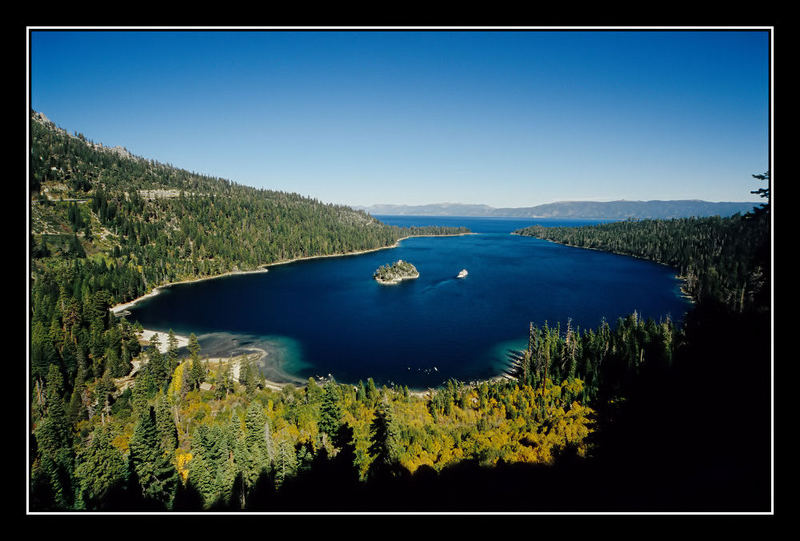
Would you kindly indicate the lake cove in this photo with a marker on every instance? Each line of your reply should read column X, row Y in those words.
column 328, row 316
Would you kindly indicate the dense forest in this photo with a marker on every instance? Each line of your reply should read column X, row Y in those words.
column 119, row 424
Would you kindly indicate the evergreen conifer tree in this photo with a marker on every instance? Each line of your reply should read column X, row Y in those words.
column 103, row 391
column 197, row 373
column 193, row 347
column 372, row 390
column 55, row 464
column 383, row 442
column 157, row 476
column 157, row 364
column 256, row 459
column 172, row 351
column 361, row 392
column 165, row 424
column 330, row 410
column 285, row 461
column 101, row 468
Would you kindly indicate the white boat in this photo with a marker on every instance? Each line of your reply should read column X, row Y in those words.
column 462, row 274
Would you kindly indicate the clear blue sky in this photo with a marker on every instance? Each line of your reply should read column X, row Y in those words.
column 504, row 118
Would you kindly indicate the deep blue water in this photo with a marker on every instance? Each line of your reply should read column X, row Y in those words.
column 328, row 316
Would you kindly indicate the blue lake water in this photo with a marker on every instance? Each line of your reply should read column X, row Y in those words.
column 328, row 316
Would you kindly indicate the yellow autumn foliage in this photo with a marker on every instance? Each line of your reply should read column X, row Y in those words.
column 182, row 459
column 516, row 424
column 120, row 441
column 174, row 389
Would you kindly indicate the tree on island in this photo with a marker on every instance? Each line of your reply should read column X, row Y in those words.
column 397, row 271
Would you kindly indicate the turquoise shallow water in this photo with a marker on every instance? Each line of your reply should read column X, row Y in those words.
column 328, row 316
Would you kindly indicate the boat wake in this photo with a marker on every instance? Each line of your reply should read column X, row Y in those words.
column 439, row 283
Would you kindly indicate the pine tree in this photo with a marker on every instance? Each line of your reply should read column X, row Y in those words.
column 762, row 192
column 43, row 353
column 256, row 457
column 330, row 410
column 383, row 442
column 142, row 390
column 193, row 347
column 246, row 375
column 103, row 391
column 186, row 382
column 157, row 476
column 157, row 364
column 145, row 447
column 165, row 425
column 221, row 454
column 172, row 351
column 285, row 461
column 125, row 366
column 203, row 467
column 53, row 470
column 372, row 391
column 75, row 409
column 114, row 363
column 197, row 373
column 101, row 468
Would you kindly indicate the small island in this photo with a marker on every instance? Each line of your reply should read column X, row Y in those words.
column 395, row 273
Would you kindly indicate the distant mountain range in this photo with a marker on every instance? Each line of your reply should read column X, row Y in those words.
column 611, row 210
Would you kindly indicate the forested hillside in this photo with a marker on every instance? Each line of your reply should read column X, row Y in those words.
column 725, row 259
column 156, row 224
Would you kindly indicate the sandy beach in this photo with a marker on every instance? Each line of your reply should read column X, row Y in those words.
column 163, row 338
column 116, row 310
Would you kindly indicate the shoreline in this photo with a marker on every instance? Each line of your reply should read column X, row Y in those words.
column 395, row 281
column 282, row 381
column 234, row 360
column 147, row 335
column 473, row 384
column 118, row 309
column 361, row 252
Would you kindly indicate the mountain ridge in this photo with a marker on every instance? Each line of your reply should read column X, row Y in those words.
column 618, row 209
